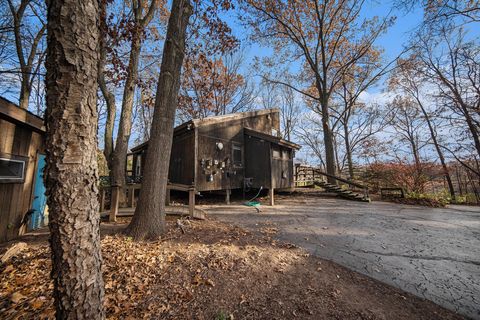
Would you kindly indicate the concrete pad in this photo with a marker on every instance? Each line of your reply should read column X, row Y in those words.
column 433, row 253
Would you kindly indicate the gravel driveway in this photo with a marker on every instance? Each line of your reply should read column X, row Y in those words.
column 432, row 253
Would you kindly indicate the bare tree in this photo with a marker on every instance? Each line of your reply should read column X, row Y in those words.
column 309, row 133
column 357, row 124
column 269, row 94
column 289, row 111
column 327, row 37
column 142, row 14
column 438, row 12
column 452, row 64
column 355, row 81
column 108, row 95
column 408, row 124
column 410, row 80
column 28, row 30
column 72, row 177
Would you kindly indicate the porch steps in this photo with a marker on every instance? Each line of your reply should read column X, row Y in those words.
column 343, row 193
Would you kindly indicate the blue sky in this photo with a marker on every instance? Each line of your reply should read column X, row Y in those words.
column 392, row 42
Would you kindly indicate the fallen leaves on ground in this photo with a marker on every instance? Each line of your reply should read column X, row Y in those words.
column 212, row 271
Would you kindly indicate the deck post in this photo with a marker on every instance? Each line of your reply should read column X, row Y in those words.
column 271, row 196
column 102, row 199
column 114, row 204
column 227, row 196
column 131, row 196
column 167, row 197
column 191, row 201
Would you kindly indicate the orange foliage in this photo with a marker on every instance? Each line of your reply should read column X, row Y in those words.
column 208, row 87
column 410, row 177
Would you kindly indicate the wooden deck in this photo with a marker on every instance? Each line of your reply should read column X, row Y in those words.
column 115, row 210
column 174, row 210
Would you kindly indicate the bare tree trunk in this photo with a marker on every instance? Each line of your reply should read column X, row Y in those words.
column 72, row 177
column 348, row 150
column 433, row 135
column 107, row 94
column 149, row 218
column 328, row 140
column 472, row 127
column 459, row 180
column 25, row 90
column 119, row 156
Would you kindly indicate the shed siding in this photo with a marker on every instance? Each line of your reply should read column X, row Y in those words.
column 210, row 160
column 16, row 198
column 228, row 132
column 182, row 159
column 257, row 158
column 282, row 168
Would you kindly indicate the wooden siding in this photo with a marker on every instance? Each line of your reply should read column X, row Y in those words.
column 209, row 163
column 282, row 168
column 182, row 159
column 257, row 161
column 229, row 132
column 16, row 198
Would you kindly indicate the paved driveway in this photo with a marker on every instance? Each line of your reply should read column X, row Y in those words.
column 432, row 253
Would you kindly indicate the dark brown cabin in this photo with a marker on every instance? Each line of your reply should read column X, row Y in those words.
column 228, row 152
column 22, row 197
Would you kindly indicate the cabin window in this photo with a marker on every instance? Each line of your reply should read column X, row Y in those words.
column 237, row 155
column 276, row 153
column 11, row 170
column 285, row 154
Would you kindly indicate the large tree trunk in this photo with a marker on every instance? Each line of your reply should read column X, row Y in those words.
column 25, row 90
column 107, row 94
column 328, row 140
column 71, row 179
column 149, row 218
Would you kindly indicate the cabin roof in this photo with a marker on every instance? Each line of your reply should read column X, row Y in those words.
column 271, row 138
column 229, row 117
column 12, row 112
column 197, row 123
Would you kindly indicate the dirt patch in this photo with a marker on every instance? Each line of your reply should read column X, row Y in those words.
column 212, row 271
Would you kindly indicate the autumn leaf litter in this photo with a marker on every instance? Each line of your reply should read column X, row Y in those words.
column 212, row 271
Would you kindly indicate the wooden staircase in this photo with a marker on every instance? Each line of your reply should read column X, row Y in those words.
column 343, row 193
column 306, row 176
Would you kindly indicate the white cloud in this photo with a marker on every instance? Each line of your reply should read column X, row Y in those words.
column 378, row 97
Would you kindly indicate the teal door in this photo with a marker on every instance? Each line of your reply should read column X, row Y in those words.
column 39, row 198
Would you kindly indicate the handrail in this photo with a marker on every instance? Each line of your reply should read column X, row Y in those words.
column 349, row 182
column 342, row 179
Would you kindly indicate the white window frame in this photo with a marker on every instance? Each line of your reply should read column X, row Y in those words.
column 13, row 179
